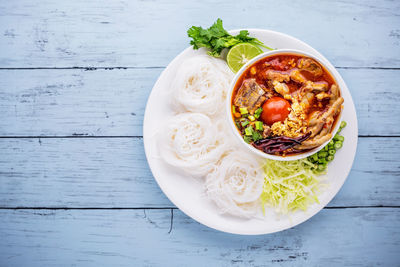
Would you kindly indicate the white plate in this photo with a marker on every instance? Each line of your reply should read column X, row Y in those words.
column 188, row 194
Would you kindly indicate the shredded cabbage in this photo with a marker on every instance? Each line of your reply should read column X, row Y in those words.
column 290, row 185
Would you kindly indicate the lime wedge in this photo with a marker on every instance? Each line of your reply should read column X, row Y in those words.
column 240, row 54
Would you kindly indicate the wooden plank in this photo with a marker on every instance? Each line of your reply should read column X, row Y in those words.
column 113, row 172
column 150, row 33
column 340, row 237
column 77, row 173
column 112, row 102
column 74, row 102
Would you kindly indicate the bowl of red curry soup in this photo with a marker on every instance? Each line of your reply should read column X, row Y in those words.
column 285, row 104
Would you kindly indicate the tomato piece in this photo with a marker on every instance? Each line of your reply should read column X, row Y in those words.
column 275, row 109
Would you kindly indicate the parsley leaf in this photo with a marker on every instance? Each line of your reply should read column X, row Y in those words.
column 216, row 38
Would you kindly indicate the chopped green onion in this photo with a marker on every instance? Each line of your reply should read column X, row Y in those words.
column 244, row 123
column 338, row 145
column 321, row 159
column 259, row 125
column 342, row 125
column 257, row 113
column 321, row 167
column 243, row 111
column 252, row 118
column 249, row 130
column 315, row 157
column 233, row 109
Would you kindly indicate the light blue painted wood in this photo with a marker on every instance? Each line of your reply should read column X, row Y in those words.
column 343, row 237
column 113, row 172
column 150, row 33
column 112, row 102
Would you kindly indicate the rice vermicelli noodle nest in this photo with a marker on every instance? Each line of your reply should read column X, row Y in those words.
column 192, row 143
column 236, row 184
column 201, row 85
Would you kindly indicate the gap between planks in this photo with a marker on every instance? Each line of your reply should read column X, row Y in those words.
column 171, row 224
column 156, row 67
column 134, row 136
column 168, row 208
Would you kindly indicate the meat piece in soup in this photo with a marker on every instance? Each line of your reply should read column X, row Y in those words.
column 310, row 65
column 250, row 95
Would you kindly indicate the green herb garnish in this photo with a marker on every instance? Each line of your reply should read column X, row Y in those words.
column 256, row 136
column 216, row 38
column 237, row 124
column 247, row 139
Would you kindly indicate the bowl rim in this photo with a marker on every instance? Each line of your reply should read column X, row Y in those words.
column 229, row 101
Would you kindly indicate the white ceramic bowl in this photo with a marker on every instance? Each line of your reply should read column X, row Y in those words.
column 229, row 101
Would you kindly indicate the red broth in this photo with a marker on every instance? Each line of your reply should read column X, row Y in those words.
column 284, row 63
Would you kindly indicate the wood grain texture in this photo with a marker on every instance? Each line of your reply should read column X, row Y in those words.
column 119, row 216
column 150, row 33
column 112, row 102
column 74, row 102
column 343, row 237
column 113, row 172
column 77, row 173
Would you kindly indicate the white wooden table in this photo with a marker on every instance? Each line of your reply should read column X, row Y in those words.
column 75, row 187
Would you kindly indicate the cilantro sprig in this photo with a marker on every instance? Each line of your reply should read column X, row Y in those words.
column 216, row 38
